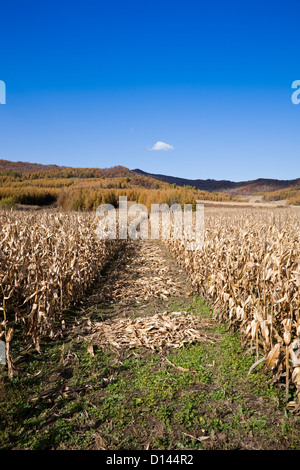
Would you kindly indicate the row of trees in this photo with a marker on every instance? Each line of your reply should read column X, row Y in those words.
column 292, row 195
column 83, row 193
column 91, row 199
column 72, row 198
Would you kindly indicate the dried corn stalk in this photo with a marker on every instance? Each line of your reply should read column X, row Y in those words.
column 249, row 267
column 47, row 260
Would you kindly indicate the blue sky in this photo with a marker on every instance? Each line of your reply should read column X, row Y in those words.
column 99, row 83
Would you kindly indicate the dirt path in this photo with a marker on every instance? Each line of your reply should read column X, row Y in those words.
column 142, row 280
column 83, row 395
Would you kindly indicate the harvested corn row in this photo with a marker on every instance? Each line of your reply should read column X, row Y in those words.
column 249, row 267
column 47, row 259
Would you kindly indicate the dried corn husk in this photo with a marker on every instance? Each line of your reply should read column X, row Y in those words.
column 166, row 330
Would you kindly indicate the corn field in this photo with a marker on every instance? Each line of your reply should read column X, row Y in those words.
column 249, row 269
column 47, row 260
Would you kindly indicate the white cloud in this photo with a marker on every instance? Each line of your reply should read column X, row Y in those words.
column 162, row 146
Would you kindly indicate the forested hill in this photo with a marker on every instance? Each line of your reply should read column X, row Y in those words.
column 56, row 171
column 242, row 187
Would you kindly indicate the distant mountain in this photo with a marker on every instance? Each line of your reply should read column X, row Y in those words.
column 242, row 187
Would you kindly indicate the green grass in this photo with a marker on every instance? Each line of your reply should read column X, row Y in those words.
column 7, row 203
column 65, row 398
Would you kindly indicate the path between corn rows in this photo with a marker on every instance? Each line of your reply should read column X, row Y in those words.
column 83, row 395
column 145, row 281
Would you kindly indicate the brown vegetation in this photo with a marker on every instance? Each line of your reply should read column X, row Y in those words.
column 47, row 261
column 249, row 268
